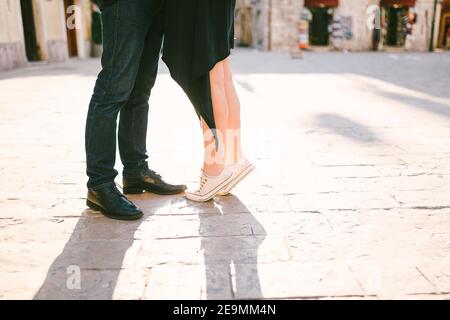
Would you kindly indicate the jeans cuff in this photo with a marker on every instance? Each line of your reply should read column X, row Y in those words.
column 137, row 173
column 101, row 186
column 133, row 176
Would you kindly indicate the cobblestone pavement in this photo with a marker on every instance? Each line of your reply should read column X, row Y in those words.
column 350, row 199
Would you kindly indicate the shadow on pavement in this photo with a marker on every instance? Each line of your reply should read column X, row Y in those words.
column 437, row 108
column 97, row 247
column 231, row 237
column 347, row 128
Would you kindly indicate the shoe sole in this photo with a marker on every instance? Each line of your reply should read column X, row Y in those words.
column 213, row 193
column 242, row 175
column 142, row 190
column 96, row 207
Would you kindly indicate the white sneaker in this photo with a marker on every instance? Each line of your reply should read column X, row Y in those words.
column 210, row 185
column 240, row 171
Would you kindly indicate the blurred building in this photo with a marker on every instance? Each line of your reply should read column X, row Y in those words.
column 281, row 25
column 444, row 29
column 43, row 30
column 267, row 24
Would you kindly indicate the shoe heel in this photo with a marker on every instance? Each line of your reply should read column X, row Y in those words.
column 133, row 190
column 93, row 206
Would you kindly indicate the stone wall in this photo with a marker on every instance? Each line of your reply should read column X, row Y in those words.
column 86, row 32
column 12, row 55
column 356, row 11
column 57, row 50
column 422, row 29
column 255, row 23
column 12, row 49
column 50, row 28
column 55, row 29
column 284, row 18
column 274, row 23
column 261, row 25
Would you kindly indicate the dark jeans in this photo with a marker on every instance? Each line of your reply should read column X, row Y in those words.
column 132, row 39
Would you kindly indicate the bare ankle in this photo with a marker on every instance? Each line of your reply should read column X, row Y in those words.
column 213, row 170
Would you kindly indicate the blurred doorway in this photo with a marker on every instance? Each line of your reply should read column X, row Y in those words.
column 29, row 30
column 244, row 26
column 394, row 17
column 444, row 29
column 319, row 34
column 322, row 17
column 70, row 30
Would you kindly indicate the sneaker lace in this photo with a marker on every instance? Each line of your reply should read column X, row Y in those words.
column 203, row 181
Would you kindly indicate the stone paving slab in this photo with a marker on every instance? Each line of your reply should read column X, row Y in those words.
column 350, row 199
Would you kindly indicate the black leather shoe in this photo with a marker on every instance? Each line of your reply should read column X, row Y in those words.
column 112, row 203
column 151, row 182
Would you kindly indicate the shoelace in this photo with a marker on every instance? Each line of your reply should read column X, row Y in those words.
column 154, row 173
column 203, row 181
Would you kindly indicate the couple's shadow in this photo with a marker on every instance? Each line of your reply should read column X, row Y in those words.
column 93, row 258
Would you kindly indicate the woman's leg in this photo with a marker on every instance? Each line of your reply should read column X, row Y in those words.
column 214, row 160
column 219, row 179
column 233, row 137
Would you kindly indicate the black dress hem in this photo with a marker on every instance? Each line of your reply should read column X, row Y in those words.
column 198, row 35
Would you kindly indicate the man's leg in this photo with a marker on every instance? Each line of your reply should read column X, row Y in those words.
column 134, row 115
column 137, row 177
column 125, row 25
